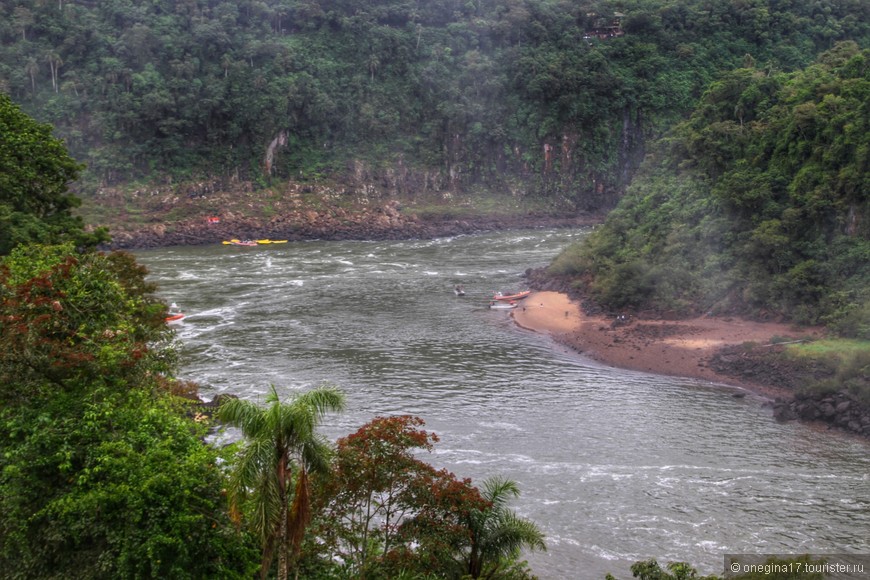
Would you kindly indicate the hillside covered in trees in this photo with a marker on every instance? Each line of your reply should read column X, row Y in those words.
column 535, row 97
column 758, row 203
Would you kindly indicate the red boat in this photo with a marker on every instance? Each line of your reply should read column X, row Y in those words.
column 509, row 297
column 175, row 314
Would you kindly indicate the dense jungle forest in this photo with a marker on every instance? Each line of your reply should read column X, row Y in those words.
column 537, row 97
column 757, row 203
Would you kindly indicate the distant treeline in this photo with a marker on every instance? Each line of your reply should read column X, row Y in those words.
column 488, row 92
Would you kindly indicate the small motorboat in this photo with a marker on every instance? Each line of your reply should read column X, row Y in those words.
column 235, row 242
column 502, row 305
column 174, row 315
column 509, row 297
column 459, row 290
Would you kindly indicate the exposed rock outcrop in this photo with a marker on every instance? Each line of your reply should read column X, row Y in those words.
column 840, row 409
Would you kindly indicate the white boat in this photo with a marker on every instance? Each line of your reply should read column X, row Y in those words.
column 501, row 305
column 459, row 290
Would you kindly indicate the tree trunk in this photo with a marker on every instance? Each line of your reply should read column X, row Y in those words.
column 283, row 515
column 283, row 560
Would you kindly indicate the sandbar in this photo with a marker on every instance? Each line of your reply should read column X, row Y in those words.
column 680, row 348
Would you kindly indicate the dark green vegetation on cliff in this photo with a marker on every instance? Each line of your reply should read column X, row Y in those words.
column 757, row 204
column 519, row 96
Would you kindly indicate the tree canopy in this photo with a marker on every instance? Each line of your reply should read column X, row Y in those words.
column 102, row 475
column 383, row 512
column 74, row 321
column 521, row 95
column 35, row 174
column 758, row 203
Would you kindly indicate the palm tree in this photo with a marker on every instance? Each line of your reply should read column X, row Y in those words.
column 280, row 438
column 496, row 533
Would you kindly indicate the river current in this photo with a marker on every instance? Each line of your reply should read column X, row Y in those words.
column 614, row 466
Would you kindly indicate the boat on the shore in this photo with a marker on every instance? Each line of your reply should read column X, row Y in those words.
column 496, row 305
column 235, row 242
column 509, row 297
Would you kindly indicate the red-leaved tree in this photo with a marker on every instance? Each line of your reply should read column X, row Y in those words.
column 384, row 510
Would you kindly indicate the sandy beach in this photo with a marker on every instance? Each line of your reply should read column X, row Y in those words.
column 678, row 348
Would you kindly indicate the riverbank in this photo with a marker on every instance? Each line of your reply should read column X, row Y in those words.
column 381, row 223
column 684, row 348
column 209, row 213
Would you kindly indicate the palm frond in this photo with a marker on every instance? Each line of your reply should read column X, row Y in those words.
column 497, row 533
column 316, row 454
column 278, row 436
column 499, row 490
column 511, row 534
column 246, row 415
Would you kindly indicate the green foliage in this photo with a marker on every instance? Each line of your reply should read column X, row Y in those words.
column 496, row 533
column 849, row 319
column 385, row 513
column 382, row 510
column 269, row 486
column 35, row 172
column 848, row 362
column 474, row 91
column 101, row 474
column 117, row 486
column 756, row 207
column 73, row 321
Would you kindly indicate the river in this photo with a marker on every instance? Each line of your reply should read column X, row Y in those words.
column 614, row 466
